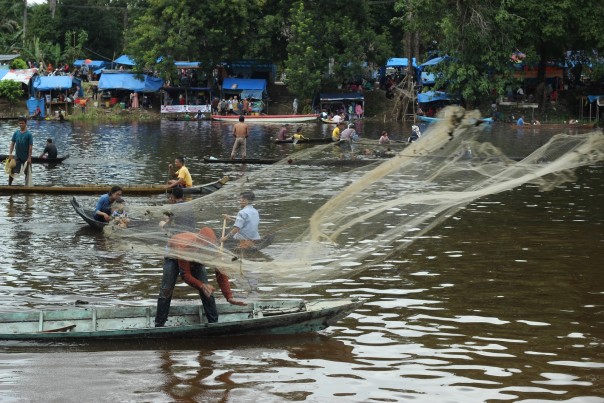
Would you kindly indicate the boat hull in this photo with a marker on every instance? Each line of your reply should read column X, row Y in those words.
column 267, row 161
column 100, row 189
column 128, row 323
column 428, row 119
column 325, row 140
column 267, row 118
column 38, row 160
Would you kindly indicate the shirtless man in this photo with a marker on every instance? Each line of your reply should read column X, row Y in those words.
column 240, row 132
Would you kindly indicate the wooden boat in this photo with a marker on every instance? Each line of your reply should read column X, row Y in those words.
column 329, row 121
column 428, row 119
column 306, row 141
column 38, row 160
column 87, row 215
column 100, row 189
column 137, row 322
column 554, row 126
column 267, row 118
column 212, row 160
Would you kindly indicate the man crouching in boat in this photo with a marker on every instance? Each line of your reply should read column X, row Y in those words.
column 192, row 273
column 182, row 177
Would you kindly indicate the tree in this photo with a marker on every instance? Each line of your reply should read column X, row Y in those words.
column 11, row 90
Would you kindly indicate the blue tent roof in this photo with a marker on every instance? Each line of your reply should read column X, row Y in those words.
column 345, row 96
column 94, row 64
column 427, row 78
column 47, row 83
column 125, row 59
column 435, row 61
column 432, row 96
column 187, row 65
column 3, row 72
column 400, row 62
column 248, row 87
column 129, row 81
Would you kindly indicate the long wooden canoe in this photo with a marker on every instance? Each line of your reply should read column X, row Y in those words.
column 38, row 160
column 306, row 141
column 429, row 119
column 137, row 322
column 100, row 189
column 554, row 126
column 212, row 160
column 267, row 118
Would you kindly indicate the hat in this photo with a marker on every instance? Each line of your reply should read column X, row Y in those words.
column 350, row 125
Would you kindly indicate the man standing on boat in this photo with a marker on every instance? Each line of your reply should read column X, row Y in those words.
column 245, row 229
column 22, row 142
column 182, row 177
column 181, row 223
column 240, row 132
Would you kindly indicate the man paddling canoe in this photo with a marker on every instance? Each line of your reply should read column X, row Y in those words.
column 181, row 176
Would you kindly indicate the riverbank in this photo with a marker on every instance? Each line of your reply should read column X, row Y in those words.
column 378, row 108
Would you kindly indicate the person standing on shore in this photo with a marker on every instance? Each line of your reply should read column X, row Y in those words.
column 22, row 142
column 240, row 132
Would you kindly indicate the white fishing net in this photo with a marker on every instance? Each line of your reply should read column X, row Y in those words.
column 331, row 212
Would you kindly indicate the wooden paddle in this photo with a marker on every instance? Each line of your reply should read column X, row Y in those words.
column 28, row 171
column 223, row 232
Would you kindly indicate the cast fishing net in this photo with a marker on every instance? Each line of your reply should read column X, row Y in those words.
column 330, row 212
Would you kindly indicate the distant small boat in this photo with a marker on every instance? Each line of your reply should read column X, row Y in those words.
column 428, row 119
column 329, row 121
column 552, row 126
column 267, row 118
column 100, row 189
column 212, row 160
column 185, row 321
column 38, row 160
column 302, row 141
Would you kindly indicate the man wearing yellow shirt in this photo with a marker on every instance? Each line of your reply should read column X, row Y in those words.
column 181, row 176
column 335, row 135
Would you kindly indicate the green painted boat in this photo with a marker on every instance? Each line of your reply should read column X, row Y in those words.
column 185, row 321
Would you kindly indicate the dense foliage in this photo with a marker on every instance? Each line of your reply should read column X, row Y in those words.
column 315, row 44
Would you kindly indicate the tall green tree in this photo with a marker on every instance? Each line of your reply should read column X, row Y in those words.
column 479, row 36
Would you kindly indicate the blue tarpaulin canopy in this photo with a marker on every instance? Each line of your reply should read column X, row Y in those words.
column 187, row 65
column 435, row 61
column 247, row 87
column 93, row 64
column 432, row 96
column 130, row 81
column 345, row 96
column 593, row 98
column 400, row 62
column 125, row 59
column 427, row 78
column 48, row 83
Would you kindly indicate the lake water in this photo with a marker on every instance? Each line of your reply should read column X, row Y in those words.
column 502, row 302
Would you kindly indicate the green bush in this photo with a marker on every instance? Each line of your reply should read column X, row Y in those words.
column 11, row 90
column 18, row 63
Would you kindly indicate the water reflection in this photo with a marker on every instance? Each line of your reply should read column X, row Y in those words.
column 501, row 302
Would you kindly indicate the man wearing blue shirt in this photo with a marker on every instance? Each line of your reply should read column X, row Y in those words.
column 245, row 229
column 22, row 142
column 520, row 121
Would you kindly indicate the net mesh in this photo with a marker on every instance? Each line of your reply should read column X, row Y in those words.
column 329, row 215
